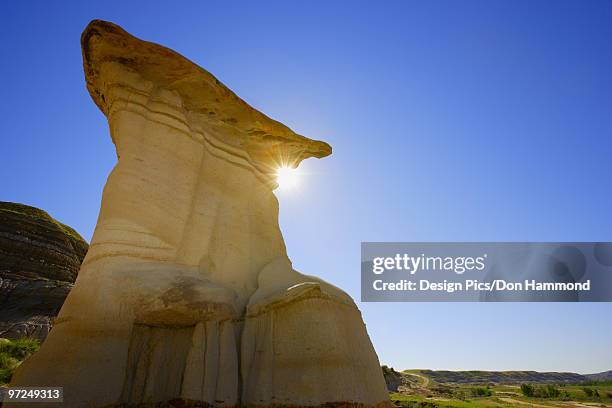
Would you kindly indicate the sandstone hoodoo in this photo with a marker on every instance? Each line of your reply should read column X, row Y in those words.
column 187, row 295
column 39, row 261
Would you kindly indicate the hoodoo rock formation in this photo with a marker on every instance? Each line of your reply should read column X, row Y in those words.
column 39, row 261
column 187, row 296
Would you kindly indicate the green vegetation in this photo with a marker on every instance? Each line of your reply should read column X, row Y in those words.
column 595, row 382
column 420, row 390
column 540, row 391
column 416, row 401
column 481, row 392
column 591, row 392
column 12, row 353
column 527, row 390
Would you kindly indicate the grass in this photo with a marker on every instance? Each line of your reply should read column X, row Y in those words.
column 12, row 353
column 578, row 392
column 418, row 401
column 434, row 394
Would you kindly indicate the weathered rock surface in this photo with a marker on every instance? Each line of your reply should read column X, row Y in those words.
column 393, row 379
column 39, row 261
column 187, row 295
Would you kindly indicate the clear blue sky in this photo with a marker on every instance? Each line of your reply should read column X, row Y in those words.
column 458, row 120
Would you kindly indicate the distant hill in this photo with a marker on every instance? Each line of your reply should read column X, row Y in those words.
column 605, row 376
column 501, row 377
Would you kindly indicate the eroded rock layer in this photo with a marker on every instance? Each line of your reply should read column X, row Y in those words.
column 39, row 261
column 186, row 295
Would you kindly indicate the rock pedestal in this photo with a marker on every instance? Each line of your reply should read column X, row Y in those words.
column 186, row 296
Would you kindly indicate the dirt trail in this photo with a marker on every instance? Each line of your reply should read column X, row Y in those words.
column 424, row 379
column 530, row 404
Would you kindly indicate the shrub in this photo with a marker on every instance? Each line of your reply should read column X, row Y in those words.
column 481, row 392
column 12, row 352
column 552, row 392
column 19, row 348
column 544, row 391
column 527, row 390
column 591, row 392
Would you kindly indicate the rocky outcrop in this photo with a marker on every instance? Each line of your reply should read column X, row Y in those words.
column 187, row 295
column 393, row 379
column 39, row 261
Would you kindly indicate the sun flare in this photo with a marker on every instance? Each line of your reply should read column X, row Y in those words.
column 287, row 178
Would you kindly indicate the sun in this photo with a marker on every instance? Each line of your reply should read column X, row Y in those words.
column 287, row 177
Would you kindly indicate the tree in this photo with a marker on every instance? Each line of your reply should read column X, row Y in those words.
column 527, row 390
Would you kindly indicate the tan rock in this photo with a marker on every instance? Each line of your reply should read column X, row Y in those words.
column 186, row 293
